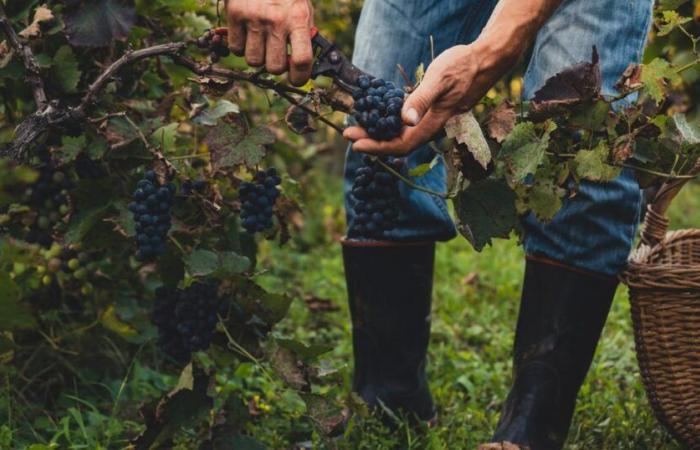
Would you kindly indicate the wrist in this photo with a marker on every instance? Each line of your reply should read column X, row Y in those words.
column 496, row 56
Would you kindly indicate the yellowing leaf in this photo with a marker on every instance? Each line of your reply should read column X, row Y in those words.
column 669, row 20
column 110, row 321
column 654, row 76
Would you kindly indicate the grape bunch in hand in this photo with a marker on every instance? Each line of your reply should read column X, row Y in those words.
column 377, row 108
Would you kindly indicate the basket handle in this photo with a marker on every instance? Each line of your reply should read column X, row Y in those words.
column 656, row 222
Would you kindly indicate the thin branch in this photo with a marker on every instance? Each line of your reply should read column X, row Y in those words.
column 28, row 59
column 130, row 56
column 410, row 183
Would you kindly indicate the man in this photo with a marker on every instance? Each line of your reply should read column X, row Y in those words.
column 570, row 276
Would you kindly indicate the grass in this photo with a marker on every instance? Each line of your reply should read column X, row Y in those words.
column 476, row 299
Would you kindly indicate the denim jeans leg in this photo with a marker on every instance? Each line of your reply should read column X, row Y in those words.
column 595, row 229
column 393, row 32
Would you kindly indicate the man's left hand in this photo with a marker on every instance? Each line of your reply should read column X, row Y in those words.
column 453, row 83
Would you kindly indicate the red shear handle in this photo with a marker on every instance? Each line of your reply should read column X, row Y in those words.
column 223, row 31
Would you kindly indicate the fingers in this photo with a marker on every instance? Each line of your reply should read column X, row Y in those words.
column 236, row 37
column 255, row 45
column 410, row 138
column 302, row 56
column 420, row 101
column 276, row 53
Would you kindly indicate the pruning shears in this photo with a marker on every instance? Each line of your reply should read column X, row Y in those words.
column 329, row 61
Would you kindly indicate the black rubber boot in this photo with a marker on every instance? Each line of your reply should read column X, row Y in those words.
column 562, row 314
column 390, row 290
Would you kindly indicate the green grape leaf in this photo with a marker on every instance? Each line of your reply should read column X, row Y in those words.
column 304, row 351
column 590, row 116
column 268, row 306
column 222, row 264
column 230, row 145
column 485, row 210
column 523, row 150
column 71, row 147
column 654, row 76
column 65, row 69
column 83, row 222
column 13, row 313
column 669, row 20
column 593, row 164
column 543, row 198
column 211, row 116
column 96, row 23
column 165, row 137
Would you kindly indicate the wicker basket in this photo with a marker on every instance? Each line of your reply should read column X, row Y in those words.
column 663, row 276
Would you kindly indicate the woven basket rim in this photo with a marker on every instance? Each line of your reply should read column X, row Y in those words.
column 644, row 252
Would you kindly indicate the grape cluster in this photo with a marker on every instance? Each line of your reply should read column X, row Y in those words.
column 189, row 187
column 215, row 44
column 377, row 108
column 70, row 267
column 258, row 200
column 48, row 198
column 376, row 195
column 151, row 211
column 186, row 318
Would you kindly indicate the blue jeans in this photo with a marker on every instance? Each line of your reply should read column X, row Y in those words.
column 595, row 229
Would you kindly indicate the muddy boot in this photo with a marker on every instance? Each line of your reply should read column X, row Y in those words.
column 562, row 314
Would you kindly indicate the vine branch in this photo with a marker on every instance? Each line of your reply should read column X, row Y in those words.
column 129, row 57
column 30, row 64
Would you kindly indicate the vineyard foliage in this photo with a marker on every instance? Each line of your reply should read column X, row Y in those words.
column 141, row 168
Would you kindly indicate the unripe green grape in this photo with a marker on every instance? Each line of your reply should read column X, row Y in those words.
column 43, row 222
column 46, row 280
column 86, row 289
column 73, row 264
column 59, row 177
column 40, row 270
column 19, row 268
column 64, row 209
column 80, row 274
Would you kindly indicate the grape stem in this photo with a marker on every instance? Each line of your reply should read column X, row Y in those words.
column 670, row 176
column 410, row 183
column 238, row 348
column 29, row 61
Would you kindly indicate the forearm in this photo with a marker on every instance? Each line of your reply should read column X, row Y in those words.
column 511, row 28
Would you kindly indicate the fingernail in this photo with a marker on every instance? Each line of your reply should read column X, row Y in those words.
column 412, row 116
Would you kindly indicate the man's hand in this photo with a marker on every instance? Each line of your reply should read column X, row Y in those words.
column 453, row 84
column 460, row 76
column 260, row 30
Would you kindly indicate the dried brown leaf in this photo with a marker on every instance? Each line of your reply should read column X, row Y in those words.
column 42, row 14
column 501, row 121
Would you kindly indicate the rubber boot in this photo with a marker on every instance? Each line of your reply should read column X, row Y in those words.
column 562, row 314
column 390, row 292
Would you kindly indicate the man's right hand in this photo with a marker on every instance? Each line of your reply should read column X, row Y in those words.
column 260, row 30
